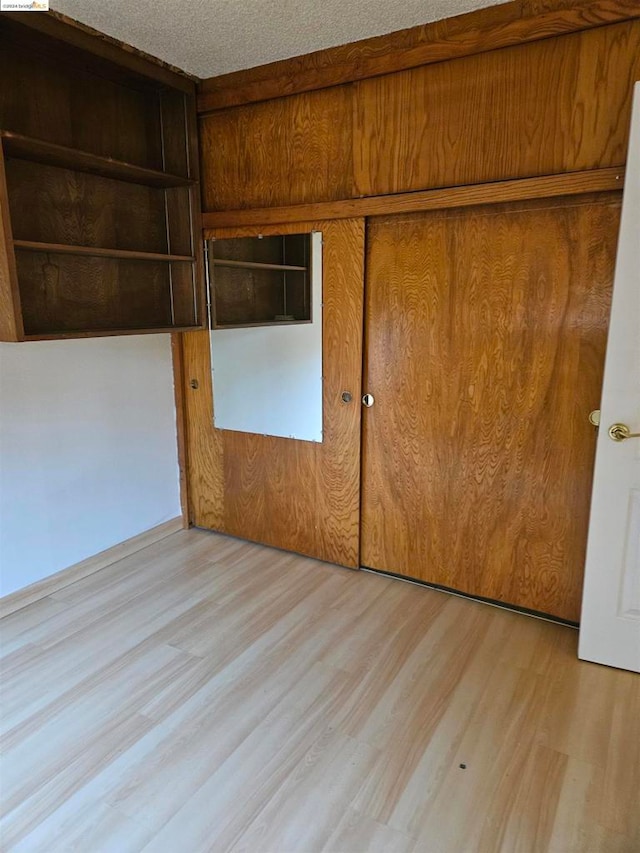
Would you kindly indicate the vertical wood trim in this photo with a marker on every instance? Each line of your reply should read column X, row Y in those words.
column 11, row 328
column 177, row 357
column 195, row 196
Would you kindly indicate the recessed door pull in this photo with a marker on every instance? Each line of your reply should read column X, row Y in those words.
column 620, row 432
column 368, row 400
column 346, row 396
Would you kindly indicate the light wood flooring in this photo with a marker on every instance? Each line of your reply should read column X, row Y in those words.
column 207, row 694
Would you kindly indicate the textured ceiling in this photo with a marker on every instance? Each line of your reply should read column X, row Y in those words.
column 211, row 37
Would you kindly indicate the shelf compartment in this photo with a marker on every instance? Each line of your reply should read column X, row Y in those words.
column 38, row 151
column 96, row 252
column 54, row 205
column 260, row 281
column 68, row 294
column 258, row 296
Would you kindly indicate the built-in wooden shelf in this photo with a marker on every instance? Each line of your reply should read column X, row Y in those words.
column 106, row 333
column 273, row 322
column 96, row 252
column 255, row 265
column 100, row 212
column 48, row 153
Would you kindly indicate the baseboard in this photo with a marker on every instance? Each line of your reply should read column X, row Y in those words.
column 40, row 589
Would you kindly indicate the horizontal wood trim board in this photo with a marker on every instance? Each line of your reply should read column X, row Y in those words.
column 97, row 252
column 38, row 151
column 109, row 333
column 47, row 586
column 548, row 186
column 476, row 32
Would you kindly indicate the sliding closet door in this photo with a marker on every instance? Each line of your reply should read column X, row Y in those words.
column 302, row 496
column 485, row 339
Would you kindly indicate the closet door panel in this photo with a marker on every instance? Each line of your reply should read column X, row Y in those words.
column 302, row 496
column 485, row 339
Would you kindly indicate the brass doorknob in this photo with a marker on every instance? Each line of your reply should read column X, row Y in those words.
column 620, row 432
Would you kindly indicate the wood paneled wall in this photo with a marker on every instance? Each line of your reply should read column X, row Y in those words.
column 556, row 105
column 285, row 151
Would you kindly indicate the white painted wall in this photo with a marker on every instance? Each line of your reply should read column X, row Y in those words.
column 88, row 453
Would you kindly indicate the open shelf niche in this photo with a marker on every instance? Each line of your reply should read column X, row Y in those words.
column 99, row 197
column 260, row 281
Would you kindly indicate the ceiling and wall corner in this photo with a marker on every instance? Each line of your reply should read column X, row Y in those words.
column 212, row 37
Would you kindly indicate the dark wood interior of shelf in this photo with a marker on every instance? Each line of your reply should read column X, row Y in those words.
column 179, row 226
column 175, row 156
column 184, row 297
column 263, row 250
column 64, row 293
column 101, row 187
column 38, row 151
column 53, row 205
column 251, row 281
column 21, row 31
column 76, row 109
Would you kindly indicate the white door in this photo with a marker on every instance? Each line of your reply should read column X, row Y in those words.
column 610, row 624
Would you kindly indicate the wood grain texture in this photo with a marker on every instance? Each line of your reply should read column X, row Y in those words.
column 67, row 293
column 199, row 298
column 250, row 279
column 53, row 205
column 42, row 589
column 68, row 105
column 209, row 694
column 297, row 495
column 464, row 35
column 493, row 192
column 485, row 339
column 287, row 151
column 556, row 105
column 11, row 328
column 88, row 141
column 37, row 151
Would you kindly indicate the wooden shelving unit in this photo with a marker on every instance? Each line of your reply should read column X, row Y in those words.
column 99, row 194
